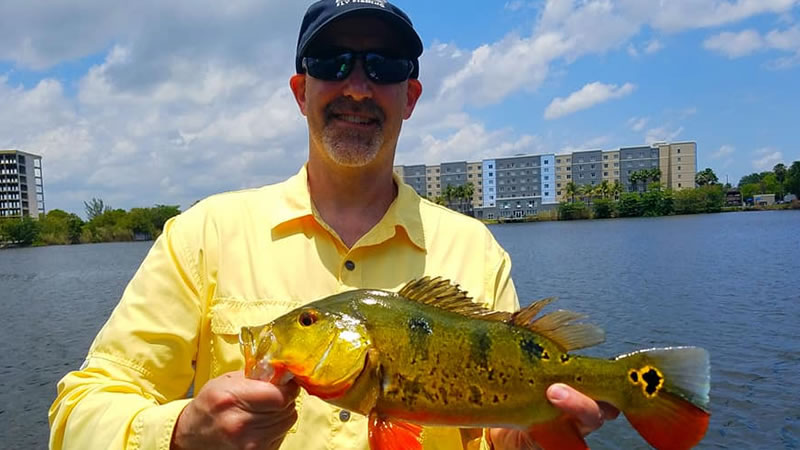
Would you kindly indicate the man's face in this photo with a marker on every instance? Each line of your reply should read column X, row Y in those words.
column 355, row 121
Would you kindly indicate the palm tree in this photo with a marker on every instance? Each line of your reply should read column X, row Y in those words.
column 468, row 190
column 571, row 190
column 617, row 189
column 634, row 180
column 604, row 189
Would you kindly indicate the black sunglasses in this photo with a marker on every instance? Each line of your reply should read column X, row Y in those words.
column 381, row 69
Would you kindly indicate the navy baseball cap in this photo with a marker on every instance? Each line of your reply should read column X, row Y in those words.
column 325, row 12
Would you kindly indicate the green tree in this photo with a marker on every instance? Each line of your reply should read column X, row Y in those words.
column 60, row 228
column 753, row 178
column 571, row 190
column 780, row 172
column 634, row 179
column 617, row 189
column 160, row 214
column 604, row 208
column 705, row 177
column 630, row 204
column 94, row 208
column 793, row 179
column 572, row 211
column 22, row 232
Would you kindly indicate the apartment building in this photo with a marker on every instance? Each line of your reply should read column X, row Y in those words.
column 634, row 159
column 678, row 164
column 21, row 187
column 517, row 186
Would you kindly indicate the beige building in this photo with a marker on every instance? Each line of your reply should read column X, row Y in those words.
column 21, row 188
column 678, row 164
column 475, row 176
column 563, row 175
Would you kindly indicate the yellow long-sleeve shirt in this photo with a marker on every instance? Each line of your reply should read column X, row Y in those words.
column 244, row 258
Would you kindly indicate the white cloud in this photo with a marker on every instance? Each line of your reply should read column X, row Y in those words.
column 724, row 151
column 653, row 47
column 662, row 134
column 735, row 45
column 590, row 95
column 767, row 158
column 638, row 123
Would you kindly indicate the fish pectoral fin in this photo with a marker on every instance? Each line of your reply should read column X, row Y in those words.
column 387, row 434
column 559, row 434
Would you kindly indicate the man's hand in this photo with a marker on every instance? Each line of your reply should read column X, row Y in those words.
column 233, row 412
column 588, row 414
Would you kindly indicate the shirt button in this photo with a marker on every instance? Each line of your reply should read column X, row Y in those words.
column 350, row 265
column 344, row 415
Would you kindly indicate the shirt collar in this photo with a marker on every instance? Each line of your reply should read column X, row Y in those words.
column 404, row 212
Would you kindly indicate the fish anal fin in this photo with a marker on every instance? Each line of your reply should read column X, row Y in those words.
column 445, row 295
column 387, row 434
column 671, row 424
column 559, row 434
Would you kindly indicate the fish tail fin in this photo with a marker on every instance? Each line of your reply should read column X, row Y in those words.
column 669, row 406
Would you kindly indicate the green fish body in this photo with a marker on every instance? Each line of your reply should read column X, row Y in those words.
column 428, row 355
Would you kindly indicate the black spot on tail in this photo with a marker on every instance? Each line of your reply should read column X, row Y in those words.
column 653, row 380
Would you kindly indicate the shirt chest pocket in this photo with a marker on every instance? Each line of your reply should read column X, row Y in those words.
column 228, row 316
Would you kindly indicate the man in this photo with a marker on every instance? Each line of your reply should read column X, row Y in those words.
column 244, row 258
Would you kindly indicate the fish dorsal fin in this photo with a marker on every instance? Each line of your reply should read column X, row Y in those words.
column 443, row 294
column 558, row 326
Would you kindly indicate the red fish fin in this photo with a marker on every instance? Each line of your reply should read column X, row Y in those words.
column 560, row 434
column 670, row 422
column 386, row 434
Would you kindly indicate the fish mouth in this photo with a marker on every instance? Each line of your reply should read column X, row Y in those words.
column 259, row 345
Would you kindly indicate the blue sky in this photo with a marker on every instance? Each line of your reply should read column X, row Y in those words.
column 168, row 102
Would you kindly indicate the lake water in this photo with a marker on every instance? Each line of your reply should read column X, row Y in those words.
column 726, row 282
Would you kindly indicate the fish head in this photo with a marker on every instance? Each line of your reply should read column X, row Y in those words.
column 323, row 350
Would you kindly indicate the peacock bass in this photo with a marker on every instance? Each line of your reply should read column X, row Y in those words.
column 428, row 355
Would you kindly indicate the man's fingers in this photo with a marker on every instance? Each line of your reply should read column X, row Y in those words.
column 259, row 396
column 588, row 413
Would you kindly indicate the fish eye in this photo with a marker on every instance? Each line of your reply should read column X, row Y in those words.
column 307, row 318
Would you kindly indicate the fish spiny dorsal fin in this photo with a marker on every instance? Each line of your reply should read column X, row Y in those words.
column 443, row 294
column 558, row 327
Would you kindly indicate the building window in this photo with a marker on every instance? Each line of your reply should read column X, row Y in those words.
column 546, row 162
column 605, row 174
column 679, row 167
column 679, row 159
column 679, row 150
column 679, row 185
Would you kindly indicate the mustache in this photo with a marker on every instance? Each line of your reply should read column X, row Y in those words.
column 346, row 105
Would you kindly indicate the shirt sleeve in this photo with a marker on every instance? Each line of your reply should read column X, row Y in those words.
column 133, row 385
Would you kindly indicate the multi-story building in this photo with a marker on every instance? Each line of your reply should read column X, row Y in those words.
column 635, row 159
column 678, row 164
column 21, row 188
column 522, row 185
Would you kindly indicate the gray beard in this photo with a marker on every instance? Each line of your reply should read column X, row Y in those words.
column 351, row 148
